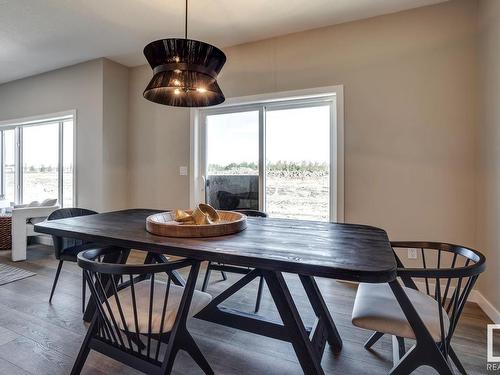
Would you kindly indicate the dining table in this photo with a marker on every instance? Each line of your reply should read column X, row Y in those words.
column 269, row 247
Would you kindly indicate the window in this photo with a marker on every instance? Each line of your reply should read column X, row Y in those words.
column 40, row 159
column 37, row 160
column 9, row 164
column 280, row 155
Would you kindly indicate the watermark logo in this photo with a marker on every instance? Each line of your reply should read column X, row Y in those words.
column 493, row 360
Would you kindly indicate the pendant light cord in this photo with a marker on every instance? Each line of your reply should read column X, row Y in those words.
column 186, row 23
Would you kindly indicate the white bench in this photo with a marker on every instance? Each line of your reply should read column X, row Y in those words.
column 23, row 223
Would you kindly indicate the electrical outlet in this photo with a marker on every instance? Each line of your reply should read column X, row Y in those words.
column 183, row 171
column 412, row 254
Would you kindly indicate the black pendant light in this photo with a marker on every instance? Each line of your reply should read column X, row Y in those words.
column 184, row 72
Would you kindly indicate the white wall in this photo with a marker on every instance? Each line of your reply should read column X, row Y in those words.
column 410, row 94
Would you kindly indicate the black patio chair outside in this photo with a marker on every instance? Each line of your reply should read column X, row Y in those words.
column 140, row 321
column 67, row 249
column 239, row 270
column 447, row 275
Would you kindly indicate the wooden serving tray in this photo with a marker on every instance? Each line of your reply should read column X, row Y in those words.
column 163, row 224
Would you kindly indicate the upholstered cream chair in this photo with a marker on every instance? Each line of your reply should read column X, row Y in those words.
column 425, row 309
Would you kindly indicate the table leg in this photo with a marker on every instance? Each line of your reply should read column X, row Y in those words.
column 160, row 258
column 309, row 358
column 118, row 257
column 321, row 310
column 307, row 343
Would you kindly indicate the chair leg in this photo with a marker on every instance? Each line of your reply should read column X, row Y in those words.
column 441, row 365
column 401, row 345
column 84, row 289
column 259, row 294
column 168, row 364
column 425, row 351
column 84, row 349
column 179, row 328
column 55, row 280
column 410, row 362
column 373, row 339
column 415, row 358
column 456, row 361
column 224, row 276
column 207, row 277
column 189, row 345
column 398, row 349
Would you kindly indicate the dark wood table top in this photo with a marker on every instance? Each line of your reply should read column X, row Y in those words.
column 342, row 251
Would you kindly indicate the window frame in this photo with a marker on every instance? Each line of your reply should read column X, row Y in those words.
column 269, row 102
column 18, row 125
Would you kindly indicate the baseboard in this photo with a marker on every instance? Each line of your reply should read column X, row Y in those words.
column 485, row 305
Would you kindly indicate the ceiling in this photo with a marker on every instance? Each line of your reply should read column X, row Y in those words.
column 38, row 36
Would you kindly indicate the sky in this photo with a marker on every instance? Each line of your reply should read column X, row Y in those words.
column 41, row 145
column 293, row 135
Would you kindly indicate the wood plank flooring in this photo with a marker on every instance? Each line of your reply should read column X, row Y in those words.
column 38, row 338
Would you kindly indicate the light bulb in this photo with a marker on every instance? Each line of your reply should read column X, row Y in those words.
column 177, row 59
column 201, row 89
column 177, row 82
column 177, row 71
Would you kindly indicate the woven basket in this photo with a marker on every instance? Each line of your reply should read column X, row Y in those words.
column 5, row 232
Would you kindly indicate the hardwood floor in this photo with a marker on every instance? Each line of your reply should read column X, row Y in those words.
column 38, row 338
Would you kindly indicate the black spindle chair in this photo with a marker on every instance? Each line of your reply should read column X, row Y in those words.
column 66, row 249
column 223, row 268
column 434, row 296
column 140, row 317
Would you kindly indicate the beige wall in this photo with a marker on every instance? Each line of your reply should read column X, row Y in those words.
column 114, row 135
column 158, row 145
column 77, row 87
column 98, row 91
column 488, row 218
column 409, row 81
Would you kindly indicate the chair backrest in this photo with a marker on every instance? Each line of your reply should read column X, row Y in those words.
column 62, row 243
column 253, row 213
column 124, row 318
column 445, row 272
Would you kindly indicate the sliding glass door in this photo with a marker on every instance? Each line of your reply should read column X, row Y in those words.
column 298, row 162
column 232, row 160
column 276, row 157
